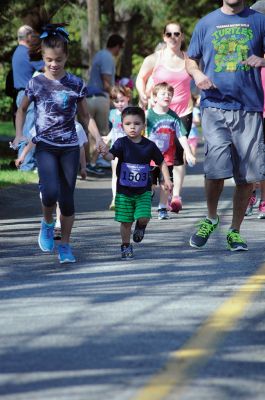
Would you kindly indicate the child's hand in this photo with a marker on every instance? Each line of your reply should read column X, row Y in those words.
column 190, row 159
column 105, row 139
column 83, row 173
column 14, row 145
column 19, row 161
column 168, row 185
column 102, row 147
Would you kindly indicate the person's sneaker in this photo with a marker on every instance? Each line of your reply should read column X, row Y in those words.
column 252, row 201
column 126, row 252
column 176, row 204
column 235, row 241
column 57, row 235
column 162, row 213
column 65, row 254
column 199, row 238
column 45, row 240
column 94, row 170
column 112, row 205
column 138, row 233
column 261, row 212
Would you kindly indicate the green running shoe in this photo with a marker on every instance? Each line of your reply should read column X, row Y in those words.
column 235, row 241
column 206, row 227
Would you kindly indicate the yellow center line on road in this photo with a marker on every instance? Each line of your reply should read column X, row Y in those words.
column 183, row 364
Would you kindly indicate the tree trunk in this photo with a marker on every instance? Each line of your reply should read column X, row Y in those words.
column 127, row 31
column 93, row 28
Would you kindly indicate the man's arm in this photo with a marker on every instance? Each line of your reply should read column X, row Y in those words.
column 106, row 79
column 201, row 80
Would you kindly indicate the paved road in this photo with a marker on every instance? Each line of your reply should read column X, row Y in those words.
column 174, row 323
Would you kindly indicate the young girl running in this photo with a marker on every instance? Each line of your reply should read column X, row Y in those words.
column 120, row 97
column 57, row 96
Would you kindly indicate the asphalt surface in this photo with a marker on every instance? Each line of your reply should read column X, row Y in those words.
column 102, row 328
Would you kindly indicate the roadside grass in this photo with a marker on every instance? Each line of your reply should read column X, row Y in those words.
column 7, row 129
column 11, row 176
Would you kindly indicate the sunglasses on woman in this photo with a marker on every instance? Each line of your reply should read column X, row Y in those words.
column 169, row 34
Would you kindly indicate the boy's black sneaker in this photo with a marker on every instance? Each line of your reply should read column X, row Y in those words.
column 126, row 252
column 138, row 233
column 206, row 227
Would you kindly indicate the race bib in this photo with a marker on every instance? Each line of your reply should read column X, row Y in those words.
column 161, row 140
column 134, row 175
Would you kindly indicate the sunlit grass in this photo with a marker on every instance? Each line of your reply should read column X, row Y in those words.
column 10, row 177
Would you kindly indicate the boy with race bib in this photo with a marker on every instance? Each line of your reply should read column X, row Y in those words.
column 133, row 198
column 164, row 128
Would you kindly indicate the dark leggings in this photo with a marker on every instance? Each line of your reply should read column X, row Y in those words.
column 187, row 121
column 57, row 168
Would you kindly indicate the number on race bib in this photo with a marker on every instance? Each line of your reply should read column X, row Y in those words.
column 134, row 175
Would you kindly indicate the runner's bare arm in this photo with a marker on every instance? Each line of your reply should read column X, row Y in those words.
column 142, row 77
column 20, row 119
column 164, row 169
column 201, row 80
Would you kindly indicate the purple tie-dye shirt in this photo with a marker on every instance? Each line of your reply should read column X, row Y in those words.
column 55, row 106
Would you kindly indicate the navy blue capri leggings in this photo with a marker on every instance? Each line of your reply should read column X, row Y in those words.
column 57, row 168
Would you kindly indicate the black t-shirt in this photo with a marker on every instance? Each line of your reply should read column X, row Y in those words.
column 133, row 170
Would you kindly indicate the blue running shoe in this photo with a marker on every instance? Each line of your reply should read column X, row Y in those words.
column 162, row 213
column 46, row 241
column 65, row 254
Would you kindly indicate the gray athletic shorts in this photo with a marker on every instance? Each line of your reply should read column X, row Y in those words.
column 234, row 145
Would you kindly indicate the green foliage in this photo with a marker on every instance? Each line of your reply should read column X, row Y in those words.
column 75, row 16
column 7, row 128
column 5, row 102
column 144, row 18
column 136, row 62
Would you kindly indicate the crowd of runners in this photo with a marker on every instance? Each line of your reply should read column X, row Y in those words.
column 216, row 80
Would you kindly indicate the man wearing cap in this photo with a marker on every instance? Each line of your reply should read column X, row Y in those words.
column 23, row 69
